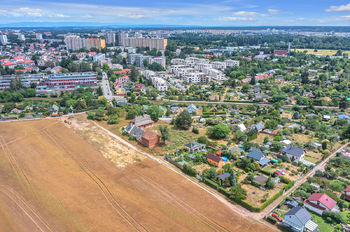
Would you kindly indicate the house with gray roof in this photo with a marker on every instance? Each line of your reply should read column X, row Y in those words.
column 298, row 219
column 194, row 146
column 259, row 157
column 294, row 153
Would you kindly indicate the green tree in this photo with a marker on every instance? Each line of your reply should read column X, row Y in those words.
column 154, row 112
column 113, row 119
column 219, row 131
column 237, row 193
column 164, row 133
column 134, row 74
column 183, row 120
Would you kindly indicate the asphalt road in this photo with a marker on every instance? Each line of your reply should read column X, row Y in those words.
column 107, row 93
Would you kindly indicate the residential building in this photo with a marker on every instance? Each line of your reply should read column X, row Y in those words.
column 231, row 63
column 280, row 52
column 259, row 157
column 149, row 139
column 26, row 79
column 3, row 39
column 294, row 153
column 320, row 202
column 215, row 160
column 67, row 82
column 194, row 146
column 110, row 38
column 38, row 36
column 261, row 180
column 21, row 37
column 142, row 42
column 97, row 43
column 347, row 193
column 98, row 57
column 74, row 42
column 298, row 219
column 160, row 60
column 143, row 121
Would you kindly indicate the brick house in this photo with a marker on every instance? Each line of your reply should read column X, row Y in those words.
column 149, row 139
column 214, row 159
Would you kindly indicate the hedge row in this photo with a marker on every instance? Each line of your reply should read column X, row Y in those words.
column 210, row 183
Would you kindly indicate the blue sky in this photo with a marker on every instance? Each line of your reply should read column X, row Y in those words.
column 180, row 12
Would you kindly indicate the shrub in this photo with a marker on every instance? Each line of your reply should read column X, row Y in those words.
column 189, row 170
column 272, row 219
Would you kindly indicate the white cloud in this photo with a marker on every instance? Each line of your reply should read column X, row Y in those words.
column 233, row 18
column 273, row 11
column 341, row 8
column 345, row 17
column 30, row 11
column 248, row 14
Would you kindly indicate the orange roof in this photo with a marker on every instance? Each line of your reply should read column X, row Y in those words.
column 9, row 64
column 28, row 61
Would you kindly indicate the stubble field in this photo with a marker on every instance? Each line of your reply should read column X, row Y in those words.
column 54, row 179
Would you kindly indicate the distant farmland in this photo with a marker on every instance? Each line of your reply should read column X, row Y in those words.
column 322, row 52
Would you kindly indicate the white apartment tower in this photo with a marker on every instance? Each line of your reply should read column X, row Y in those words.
column 3, row 39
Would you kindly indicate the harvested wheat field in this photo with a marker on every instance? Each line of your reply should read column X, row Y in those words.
column 52, row 178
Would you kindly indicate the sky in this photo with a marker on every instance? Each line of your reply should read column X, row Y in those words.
column 181, row 12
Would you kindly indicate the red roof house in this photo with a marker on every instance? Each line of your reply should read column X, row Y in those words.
column 347, row 193
column 281, row 52
column 320, row 202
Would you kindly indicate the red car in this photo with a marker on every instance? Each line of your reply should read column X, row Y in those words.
column 278, row 173
column 278, row 217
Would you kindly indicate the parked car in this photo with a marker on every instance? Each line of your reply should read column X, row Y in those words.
column 278, row 217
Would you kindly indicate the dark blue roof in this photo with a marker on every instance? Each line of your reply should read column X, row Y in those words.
column 294, row 151
column 263, row 161
column 255, row 154
column 301, row 213
column 224, row 175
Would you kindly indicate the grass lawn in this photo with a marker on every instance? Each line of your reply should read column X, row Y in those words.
column 178, row 138
column 322, row 225
column 269, row 169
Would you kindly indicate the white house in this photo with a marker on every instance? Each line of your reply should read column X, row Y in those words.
column 320, row 202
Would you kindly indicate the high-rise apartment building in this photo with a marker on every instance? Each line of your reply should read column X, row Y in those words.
column 3, row 39
column 142, row 42
column 74, row 43
column 110, row 38
column 39, row 36
column 21, row 37
column 97, row 43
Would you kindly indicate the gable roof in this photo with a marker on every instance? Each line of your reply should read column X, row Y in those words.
column 324, row 199
column 261, row 180
column 264, row 161
column 194, row 145
column 301, row 213
column 255, row 154
column 213, row 157
column 294, row 151
column 347, row 189
column 224, row 175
